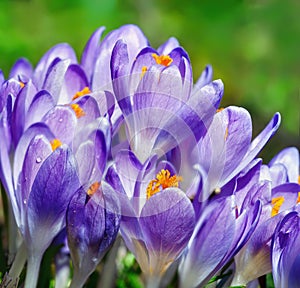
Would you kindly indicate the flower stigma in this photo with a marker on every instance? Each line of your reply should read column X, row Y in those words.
column 82, row 92
column 163, row 180
column 93, row 188
column 55, row 143
column 276, row 202
column 78, row 110
column 164, row 60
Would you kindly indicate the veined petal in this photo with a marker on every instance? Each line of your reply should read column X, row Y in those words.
column 167, row 221
column 54, row 185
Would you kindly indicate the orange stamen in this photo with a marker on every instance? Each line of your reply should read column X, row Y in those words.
column 219, row 110
column 226, row 134
column 93, row 188
column 78, row 110
column 21, row 84
column 276, row 202
column 83, row 92
column 144, row 70
column 55, row 143
column 164, row 60
column 162, row 181
column 298, row 199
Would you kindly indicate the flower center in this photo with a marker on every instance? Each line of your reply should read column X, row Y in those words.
column 55, row 143
column 93, row 188
column 163, row 180
column 276, row 202
column 164, row 60
column 78, row 110
column 83, row 92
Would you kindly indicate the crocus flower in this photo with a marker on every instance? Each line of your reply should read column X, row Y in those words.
column 155, row 97
column 226, row 149
column 157, row 217
column 223, row 226
column 286, row 251
column 93, row 221
column 254, row 259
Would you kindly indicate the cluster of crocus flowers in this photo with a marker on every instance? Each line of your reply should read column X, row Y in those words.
column 123, row 144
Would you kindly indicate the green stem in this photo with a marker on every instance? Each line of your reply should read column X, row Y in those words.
column 32, row 274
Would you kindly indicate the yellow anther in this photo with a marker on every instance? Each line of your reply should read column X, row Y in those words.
column 21, row 84
column 83, row 92
column 298, row 198
column 299, row 179
column 93, row 188
column 164, row 60
column 55, row 143
column 277, row 203
column 163, row 180
column 144, row 70
column 78, row 110
column 219, row 110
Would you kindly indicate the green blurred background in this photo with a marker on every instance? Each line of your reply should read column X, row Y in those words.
column 253, row 45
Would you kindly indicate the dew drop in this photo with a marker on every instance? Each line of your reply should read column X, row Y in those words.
column 38, row 160
column 60, row 120
column 95, row 259
column 25, row 201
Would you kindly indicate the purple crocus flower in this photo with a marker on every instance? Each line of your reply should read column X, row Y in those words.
column 157, row 217
column 253, row 260
column 93, row 221
column 224, row 225
column 155, row 97
column 225, row 150
column 286, row 251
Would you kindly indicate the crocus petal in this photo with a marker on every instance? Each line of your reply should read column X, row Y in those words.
column 210, row 242
column 54, row 78
column 40, row 105
column 134, row 39
column 257, row 144
column 21, row 67
column 167, row 221
column 289, row 157
column 55, row 184
column 62, row 51
column 62, row 122
column 90, row 52
column 286, row 251
column 205, row 77
column 168, row 46
column 75, row 80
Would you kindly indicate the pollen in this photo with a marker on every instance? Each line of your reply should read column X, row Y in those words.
column 277, row 203
column 78, row 110
column 298, row 198
column 83, row 92
column 219, row 110
column 93, row 188
column 22, row 84
column 144, row 70
column 164, row 60
column 55, row 143
column 163, row 180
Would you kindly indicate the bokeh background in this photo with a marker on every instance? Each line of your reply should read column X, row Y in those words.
column 253, row 45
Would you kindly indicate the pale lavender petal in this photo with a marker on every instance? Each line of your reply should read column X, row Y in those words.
column 168, row 46
column 90, row 52
column 21, row 67
column 289, row 157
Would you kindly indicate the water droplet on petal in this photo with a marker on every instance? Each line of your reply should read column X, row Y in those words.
column 60, row 120
column 25, row 201
column 38, row 160
column 95, row 259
